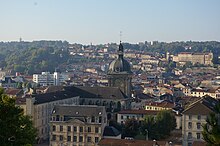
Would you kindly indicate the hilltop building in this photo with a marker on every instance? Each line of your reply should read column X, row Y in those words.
column 201, row 58
column 119, row 73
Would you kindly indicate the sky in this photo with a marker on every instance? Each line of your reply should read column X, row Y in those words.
column 101, row 21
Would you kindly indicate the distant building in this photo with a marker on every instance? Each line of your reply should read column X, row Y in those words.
column 198, row 92
column 201, row 58
column 139, row 115
column 158, row 106
column 45, row 78
column 77, row 125
column 7, row 82
column 194, row 117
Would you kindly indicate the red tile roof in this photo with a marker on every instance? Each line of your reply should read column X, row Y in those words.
column 126, row 142
column 146, row 112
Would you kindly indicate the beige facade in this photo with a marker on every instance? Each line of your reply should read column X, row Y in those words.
column 77, row 125
column 192, row 128
column 40, row 111
column 194, row 117
column 201, row 58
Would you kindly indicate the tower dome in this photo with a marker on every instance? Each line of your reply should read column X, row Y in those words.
column 119, row 65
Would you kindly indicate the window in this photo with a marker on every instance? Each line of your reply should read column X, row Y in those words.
column 89, row 139
column 61, row 137
column 93, row 119
column 96, row 129
column 74, row 138
column 75, row 129
column 127, row 117
column 96, row 139
column 189, row 125
column 57, row 117
column 89, row 129
column 199, row 117
column 198, row 135
column 121, row 117
column 80, row 129
column 80, row 138
column 68, row 128
column 54, row 137
column 68, row 138
column 190, row 117
column 54, row 128
column 189, row 135
column 61, row 128
column 100, row 119
column 198, row 125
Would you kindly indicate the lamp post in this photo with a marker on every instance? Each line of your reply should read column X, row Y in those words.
column 146, row 134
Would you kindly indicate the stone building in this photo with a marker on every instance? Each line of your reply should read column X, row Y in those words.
column 119, row 73
column 194, row 117
column 81, row 125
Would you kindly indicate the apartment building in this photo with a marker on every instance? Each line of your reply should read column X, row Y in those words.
column 214, row 93
column 194, row 117
column 46, row 78
column 158, row 106
column 81, row 125
column 40, row 107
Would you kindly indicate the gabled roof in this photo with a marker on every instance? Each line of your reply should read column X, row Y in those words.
column 53, row 96
column 111, row 131
column 204, row 106
column 78, row 110
column 97, row 92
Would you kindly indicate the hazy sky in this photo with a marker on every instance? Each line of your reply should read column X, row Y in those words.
column 100, row 21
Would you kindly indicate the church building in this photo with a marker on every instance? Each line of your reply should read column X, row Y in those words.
column 119, row 73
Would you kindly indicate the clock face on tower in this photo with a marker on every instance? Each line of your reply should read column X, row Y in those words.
column 119, row 83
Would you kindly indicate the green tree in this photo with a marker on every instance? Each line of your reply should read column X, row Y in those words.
column 131, row 128
column 211, row 130
column 148, row 127
column 16, row 128
column 160, row 126
column 166, row 122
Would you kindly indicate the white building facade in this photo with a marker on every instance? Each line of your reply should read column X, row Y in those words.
column 46, row 78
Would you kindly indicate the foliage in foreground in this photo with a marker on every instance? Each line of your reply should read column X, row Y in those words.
column 16, row 128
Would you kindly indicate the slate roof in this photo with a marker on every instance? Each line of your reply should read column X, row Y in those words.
column 97, row 92
column 204, row 106
column 111, row 131
column 53, row 96
column 78, row 110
